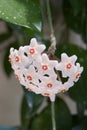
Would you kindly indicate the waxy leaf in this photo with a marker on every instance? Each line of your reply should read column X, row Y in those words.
column 30, row 104
column 63, row 117
column 26, row 13
column 77, row 5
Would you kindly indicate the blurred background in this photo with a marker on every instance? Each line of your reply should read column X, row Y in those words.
column 17, row 28
column 11, row 92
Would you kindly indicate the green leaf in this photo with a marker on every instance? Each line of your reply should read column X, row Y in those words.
column 78, row 91
column 30, row 104
column 77, row 5
column 6, row 64
column 43, row 120
column 75, row 15
column 33, row 100
column 29, row 97
column 79, row 125
column 78, row 128
column 26, row 32
column 24, row 114
column 84, row 24
column 72, row 20
column 26, row 13
column 75, row 120
column 62, row 113
column 84, row 122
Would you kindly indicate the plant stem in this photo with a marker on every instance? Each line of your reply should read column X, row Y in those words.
column 49, row 17
column 53, row 115
column 51, row 50
column 52, row 36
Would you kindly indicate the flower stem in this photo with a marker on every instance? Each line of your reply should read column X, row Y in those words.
column 53, row 115
column 52, row 48
column 49, row 17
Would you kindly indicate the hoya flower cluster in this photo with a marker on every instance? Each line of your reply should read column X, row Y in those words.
column 39, row 74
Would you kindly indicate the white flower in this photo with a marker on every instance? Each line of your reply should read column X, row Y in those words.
column 67, row 64
column 46, row 66
column 19, row 75
column 15, row 58
column 77, row 73
column 65, row 86
column 31, row 76
column 50, row 87
column 24, row 57
column 38, row 73
column 34, row 50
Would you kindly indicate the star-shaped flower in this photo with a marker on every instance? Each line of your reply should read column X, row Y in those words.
column 15, row 58
column 65, row 86
column 67, row 64
column 34, row 50
column 31, row 76
column 24, row 57
column 50, row 87
column 46, row 67
column 77, row 73
column 38, row 73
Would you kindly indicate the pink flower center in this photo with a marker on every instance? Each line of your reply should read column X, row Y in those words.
column 17, row 59
column 29, row 89
column 63, row 90
column 49, row 85
column 17, row 77
column 77, row 76
column 10, row 60
column 32, row 51
column 46, row 94
column 29, row 77
column 44, row 67
column 69, row 65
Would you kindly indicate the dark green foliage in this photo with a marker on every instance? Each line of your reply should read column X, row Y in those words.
column 78, row 91
column 30, row 104
column 24, row 17
column 25, row 13
column 43, row 120
column 75, row 15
